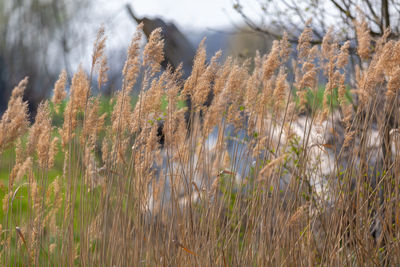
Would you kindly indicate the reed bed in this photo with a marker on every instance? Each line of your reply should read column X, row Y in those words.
column 244, row 174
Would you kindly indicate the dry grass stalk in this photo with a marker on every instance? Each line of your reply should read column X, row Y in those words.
column 59, row 88
column 364, row 39
column 270, row 168
column 132, row 63
column 153, row 53
column 99, row 59
column 77, row 102
column 14, row 121
column 242, row 178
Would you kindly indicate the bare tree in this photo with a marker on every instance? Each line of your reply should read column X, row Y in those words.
column 291, row 15
column 37, row 37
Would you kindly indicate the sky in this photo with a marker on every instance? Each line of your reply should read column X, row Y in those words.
column 194, row 14
column 187, row 15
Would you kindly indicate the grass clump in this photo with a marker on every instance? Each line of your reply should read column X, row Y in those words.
column 229, row 167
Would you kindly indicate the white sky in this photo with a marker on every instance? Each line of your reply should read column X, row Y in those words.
column 188, row 15
column 185, row 13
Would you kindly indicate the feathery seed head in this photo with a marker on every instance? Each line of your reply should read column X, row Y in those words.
column 14, row 121
column 281, row 90
column 204, row 83
column 343, row 57
column 59, row 88
column 284, row 45
column 99, row 46
column 153, row 53
column 79, row 89
column 305, row 39
column 272, row 62
column 364, row 39
column 199, row 66
column 132, row 63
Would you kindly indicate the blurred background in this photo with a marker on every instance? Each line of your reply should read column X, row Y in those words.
column 40, row 38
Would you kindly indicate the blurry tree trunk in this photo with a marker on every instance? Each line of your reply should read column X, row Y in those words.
column 30, row 42
column 385, row 14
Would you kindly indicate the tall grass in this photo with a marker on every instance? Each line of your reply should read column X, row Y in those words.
column 243, row 175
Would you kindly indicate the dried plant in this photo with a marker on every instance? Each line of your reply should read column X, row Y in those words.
column 153, row 53
column 249, row 171
column 364, row 39
column 14, row 121
column 59, row 88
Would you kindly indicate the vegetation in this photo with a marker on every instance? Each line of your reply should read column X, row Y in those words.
column 251, row 173
column 22, row 53
column 290, row 15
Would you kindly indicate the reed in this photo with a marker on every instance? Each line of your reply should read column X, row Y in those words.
column 243, row 176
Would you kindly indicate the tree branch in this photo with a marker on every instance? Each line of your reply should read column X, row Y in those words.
column 344, row 11
column 385, row 14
